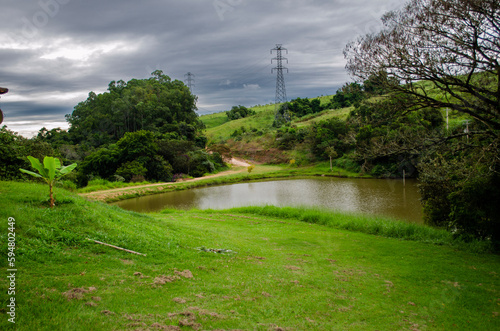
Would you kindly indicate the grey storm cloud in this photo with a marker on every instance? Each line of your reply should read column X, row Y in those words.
column 54, row 52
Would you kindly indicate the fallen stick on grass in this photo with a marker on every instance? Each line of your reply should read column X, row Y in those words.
column 122, row 249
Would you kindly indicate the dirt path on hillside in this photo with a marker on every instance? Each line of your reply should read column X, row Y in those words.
column 113, row 193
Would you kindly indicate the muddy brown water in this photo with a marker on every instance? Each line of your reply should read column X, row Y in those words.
column 385, row 197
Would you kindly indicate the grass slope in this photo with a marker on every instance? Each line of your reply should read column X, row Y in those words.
column 280, row 274
column 219, row 128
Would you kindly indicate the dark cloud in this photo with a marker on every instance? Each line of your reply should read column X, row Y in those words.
column 54, row 52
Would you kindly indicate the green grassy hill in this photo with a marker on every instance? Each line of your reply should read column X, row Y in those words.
column 219, row 128
column 248, row 268
column 257, row 137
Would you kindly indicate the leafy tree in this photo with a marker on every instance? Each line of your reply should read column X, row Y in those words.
column 140, row 146
column 351, row 94
column 55, row 137
column 103, row 163
column 130, row 169
column 446, row 54
column 13, row 148
column 301, row 107
column 328, row 133
column 50, row 171
column 376, row 84
column 157, row 104
column 238, row 112
column 330, row 151
column 289, row 137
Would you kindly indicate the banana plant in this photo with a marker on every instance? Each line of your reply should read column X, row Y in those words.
column 51, row 171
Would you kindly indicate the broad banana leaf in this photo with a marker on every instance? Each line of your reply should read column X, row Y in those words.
column 38, row 166
column 67, row 169
column 51, row 165
column 34, row 174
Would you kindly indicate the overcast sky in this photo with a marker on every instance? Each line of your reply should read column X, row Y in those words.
column 54, row 52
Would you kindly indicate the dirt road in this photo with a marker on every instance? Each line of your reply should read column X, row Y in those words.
column 113, row 193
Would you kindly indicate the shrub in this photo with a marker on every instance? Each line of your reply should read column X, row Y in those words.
column 130, row 169
column 238, row 112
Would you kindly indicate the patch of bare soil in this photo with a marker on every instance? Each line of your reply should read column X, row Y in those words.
column 77, row 293
column 259, row 152
column 158, row 326
column 292, row 267
column 186, row 273
column 162, row 280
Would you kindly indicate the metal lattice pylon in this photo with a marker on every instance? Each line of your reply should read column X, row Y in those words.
column 281, row 114
column 190, row 81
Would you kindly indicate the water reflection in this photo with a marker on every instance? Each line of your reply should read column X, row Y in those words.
column 371, row 196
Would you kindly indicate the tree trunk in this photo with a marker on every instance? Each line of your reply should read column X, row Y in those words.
column 331, row 169
column 51, row 196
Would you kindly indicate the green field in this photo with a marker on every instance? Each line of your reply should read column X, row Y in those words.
column 248, row 269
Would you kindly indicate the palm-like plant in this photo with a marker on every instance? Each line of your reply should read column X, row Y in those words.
column 50, row 171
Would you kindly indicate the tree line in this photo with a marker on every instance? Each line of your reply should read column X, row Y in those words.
column 143, row 129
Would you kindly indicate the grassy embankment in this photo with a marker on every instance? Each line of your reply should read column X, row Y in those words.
column 281, row 272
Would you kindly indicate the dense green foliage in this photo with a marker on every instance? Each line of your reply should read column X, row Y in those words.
column 238, row 112
column 157, row 104
column 140, row 130
column 301, row 107
column 13, row 151
column 350, row 94
column 146, row 155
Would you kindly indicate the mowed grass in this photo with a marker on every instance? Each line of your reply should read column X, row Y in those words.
column 277, row 273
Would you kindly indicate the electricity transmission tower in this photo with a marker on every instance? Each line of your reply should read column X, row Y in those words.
column 190, row 81
column 281, row 112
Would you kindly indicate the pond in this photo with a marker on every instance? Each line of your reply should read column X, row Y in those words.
column 386, row 197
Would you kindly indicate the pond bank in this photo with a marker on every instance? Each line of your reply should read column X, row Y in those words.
column 235, row 175
column 387, row 198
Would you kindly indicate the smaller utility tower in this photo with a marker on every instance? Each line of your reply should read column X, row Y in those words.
column 281, row 114
column 189, row 81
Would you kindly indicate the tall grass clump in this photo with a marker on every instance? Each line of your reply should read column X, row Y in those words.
column 369, row 224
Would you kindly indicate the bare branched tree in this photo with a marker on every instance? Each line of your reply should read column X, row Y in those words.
column 441, row 54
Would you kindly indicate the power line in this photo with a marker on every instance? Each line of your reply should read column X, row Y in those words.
column 281, row 113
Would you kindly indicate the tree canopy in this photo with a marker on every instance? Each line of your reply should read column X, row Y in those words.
column 445, row 53
column 157, row 104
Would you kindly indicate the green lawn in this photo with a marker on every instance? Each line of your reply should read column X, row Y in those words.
column 278, row 273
